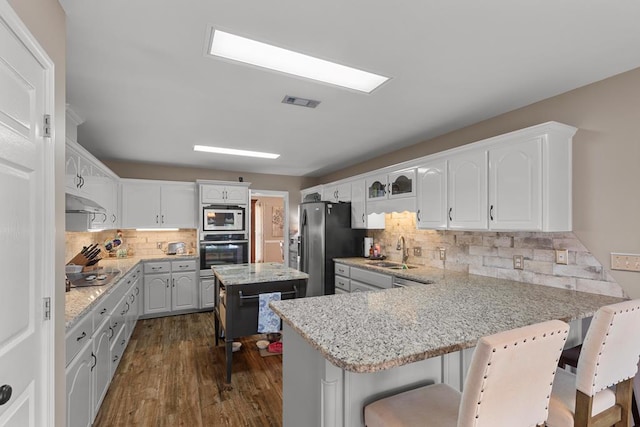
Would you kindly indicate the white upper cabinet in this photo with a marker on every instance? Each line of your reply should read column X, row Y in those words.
column 518, row 181
column 432, row 195
column 312, row 193
column 359, row 216
column 391, row 186
column 87, row 177
column 467, row 190
column 158, row 204
column 515, row 197
column 391, row 192
column 229, row 193
column 337, row 193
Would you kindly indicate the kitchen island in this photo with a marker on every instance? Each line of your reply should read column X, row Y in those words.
column 344, row 351
column 237, row 292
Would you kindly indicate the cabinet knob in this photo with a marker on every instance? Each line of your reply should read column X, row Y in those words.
column 5, row 393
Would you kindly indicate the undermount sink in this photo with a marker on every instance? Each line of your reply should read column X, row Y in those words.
column 391, row 265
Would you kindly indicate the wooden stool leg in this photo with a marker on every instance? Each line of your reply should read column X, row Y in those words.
column 623, row 399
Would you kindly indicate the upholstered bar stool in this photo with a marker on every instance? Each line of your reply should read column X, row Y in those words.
column 609, row 357
column 508, row 384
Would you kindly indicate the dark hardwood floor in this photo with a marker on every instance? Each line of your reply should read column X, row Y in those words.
column 172, row 375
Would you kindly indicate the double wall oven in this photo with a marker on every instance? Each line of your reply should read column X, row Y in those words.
column 224, row 237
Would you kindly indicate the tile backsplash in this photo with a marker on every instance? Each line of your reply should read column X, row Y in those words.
column 491, row 254
column 143, row 243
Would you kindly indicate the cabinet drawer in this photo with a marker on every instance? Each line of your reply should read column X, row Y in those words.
column 78, row 336
column 342, row 283
column 342, row 269
column 118, row 346
column 383, row 281
column 184, row 265
column 362, row 287
column 157, row 267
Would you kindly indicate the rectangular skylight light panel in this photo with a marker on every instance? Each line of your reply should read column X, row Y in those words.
column 264, row 55
column 234, row 152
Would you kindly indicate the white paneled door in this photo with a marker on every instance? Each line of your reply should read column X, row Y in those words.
column 26, row 227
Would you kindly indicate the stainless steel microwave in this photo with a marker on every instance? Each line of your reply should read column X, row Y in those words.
column 223, row 218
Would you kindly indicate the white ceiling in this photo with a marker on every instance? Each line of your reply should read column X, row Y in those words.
column 138, row 74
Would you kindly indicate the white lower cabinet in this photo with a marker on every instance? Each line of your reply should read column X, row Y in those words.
column 207, row 292
column 79, row 387
column 102, row 366
column 353, row 279
column 91, row 346
column 170, row 287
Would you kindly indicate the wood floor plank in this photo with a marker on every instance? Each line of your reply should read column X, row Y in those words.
column 172, row 375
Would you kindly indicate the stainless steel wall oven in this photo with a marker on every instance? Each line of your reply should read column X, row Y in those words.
column 221, row 249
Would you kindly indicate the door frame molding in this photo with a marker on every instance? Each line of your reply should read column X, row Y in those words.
column 286, row 232
column 49, row 362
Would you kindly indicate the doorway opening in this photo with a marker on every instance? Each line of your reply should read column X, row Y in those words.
column 269, row 226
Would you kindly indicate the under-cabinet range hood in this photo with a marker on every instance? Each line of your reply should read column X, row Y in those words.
column 78, row 204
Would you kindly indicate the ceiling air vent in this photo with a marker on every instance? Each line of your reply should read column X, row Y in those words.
column 300, row 102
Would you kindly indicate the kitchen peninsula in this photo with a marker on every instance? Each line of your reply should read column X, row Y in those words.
column 237, row 293
column 344, row 351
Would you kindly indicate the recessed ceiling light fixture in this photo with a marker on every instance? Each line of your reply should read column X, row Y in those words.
column 252, row 52
column 234, row 152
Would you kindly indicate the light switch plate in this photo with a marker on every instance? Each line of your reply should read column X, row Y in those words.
column 518, row 262
column 562, row 256
column 627, row 262
column 443, row 253
column 417, row 251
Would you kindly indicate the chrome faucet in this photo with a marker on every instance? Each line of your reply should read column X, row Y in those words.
column 401, row 246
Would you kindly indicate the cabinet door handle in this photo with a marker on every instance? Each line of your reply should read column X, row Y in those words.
column 450, row 211
column 95, row 360
column 363, row 218
column 163, row 219
column 103, row 311
column 110, row 336
column 82, row 336
column 491, row 212
column 167, row 283
column 115, row 358
column 174, row 282
column 418, row 215
column 81, row 181
column 5, row 393
column 113, row 217
column 157, row 216
column 137, row 291
column 105, row 217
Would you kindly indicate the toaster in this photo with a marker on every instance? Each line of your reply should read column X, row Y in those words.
column 175, row 248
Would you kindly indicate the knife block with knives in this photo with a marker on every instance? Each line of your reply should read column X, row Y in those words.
column 87, row 257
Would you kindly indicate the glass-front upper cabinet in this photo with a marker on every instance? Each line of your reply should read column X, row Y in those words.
column 392, row 186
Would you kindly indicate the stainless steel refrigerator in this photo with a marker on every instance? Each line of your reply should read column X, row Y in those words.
column 325, row 234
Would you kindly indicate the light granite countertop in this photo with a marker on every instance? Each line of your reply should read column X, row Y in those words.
column 244, row 274
column 374, row 331
column 79, row 301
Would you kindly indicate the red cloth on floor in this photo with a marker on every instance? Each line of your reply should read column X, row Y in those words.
column 275, row 347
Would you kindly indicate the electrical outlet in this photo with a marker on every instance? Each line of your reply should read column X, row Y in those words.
column 562, row 256
column 417, row 251
column 159, row 245
column 627, row 262
column 518, row 262
column 443, row 254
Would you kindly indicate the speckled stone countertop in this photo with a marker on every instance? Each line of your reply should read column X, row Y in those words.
column 79, row 301
column 374, row 331
column 244, row 274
